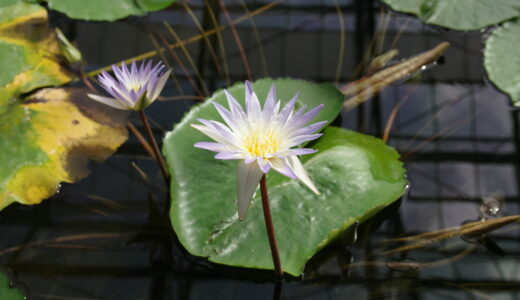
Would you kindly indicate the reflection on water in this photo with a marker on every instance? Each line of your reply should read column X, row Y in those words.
column 108, row 236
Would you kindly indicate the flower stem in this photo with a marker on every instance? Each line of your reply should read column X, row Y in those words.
column 155, row 147
column 270, row 230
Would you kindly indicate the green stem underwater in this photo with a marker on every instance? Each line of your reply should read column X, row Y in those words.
column 270, row 230
column 158, row 156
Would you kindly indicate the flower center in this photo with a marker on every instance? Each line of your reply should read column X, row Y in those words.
column 135, row 87
column 261, row 143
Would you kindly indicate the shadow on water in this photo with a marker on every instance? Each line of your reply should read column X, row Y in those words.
column 108, row 236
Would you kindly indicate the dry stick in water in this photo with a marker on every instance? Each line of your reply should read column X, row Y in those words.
column 194, row 38
column 141, row 139
column 270, row 230
column 471, row 229
column 237, row 40
column 155, row 147
column 361, row 90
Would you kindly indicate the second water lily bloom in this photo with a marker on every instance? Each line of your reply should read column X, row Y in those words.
column 262, row 139
column 134, row 88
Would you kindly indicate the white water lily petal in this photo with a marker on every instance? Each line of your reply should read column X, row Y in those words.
column 229, row 155
column 262, row 138
column 248, row 178
column 299, row 171
column 270, row 103
column 135, row 88
column 287, row 110
column 215, row 147
column 159, row 86
column 283, row 167
column 211, row 133
column 108, row 101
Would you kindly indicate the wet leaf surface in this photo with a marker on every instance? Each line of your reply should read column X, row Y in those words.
column 459, row 14
column 29, row 52
column 7, row 290
column 102, row 10
column 502, row 61
column 356, row 174
column 48, row 138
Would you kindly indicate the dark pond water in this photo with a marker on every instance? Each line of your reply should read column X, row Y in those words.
column 108, row 236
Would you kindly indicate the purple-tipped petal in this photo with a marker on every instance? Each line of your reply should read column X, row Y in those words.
column 301, row 151
column 212, row 134
column 227, row 116
column 303, row 138
column 253, row 108
column 108, row 101
column 215, row 147
column 299, row 121
column 270, row 103
column 288, row 109
column 234, row 106
column 263, row 165
column 248, row 91
column 299, row 171
column 282, row 167
column 160, row 85
column 138, row 86
column 229, row 155
column 309, row 129
column 221, row 130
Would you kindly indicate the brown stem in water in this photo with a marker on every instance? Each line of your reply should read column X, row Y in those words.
column 270, row 230
column 155, row 147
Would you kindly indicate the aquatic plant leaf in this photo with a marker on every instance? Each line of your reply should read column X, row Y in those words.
column 356, row 174
column 502, row 61
column 48, row 138
column 103, row 10
column 459, row 14
column 8, row 292
column 367, row 87
column 29, row 52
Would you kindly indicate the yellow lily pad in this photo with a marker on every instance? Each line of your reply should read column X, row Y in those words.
column 48, row 139
column 29, row 52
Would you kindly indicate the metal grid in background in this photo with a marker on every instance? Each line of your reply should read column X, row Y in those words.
column 459, row 134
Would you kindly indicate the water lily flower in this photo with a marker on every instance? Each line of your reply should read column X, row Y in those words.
column 134, row 88
column 262, row 139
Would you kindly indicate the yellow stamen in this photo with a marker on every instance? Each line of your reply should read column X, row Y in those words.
column 135, row 87
column 261, row 144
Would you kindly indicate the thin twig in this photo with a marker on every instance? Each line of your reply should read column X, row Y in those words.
column 237, row 40
column 184, row 97
column 193, row 39
column 155, row 147
column 270, row 230
column 391, row 118
column 141, row 139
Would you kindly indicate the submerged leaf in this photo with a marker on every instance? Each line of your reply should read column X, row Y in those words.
column 48, row 138
column 356, row 174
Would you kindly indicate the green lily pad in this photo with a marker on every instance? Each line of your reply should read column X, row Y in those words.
column 356, row 174
column 459, row 14
column 502, row 61
column 103, row 10
column 47, row 137
column 7, row 292
column 29, row 52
